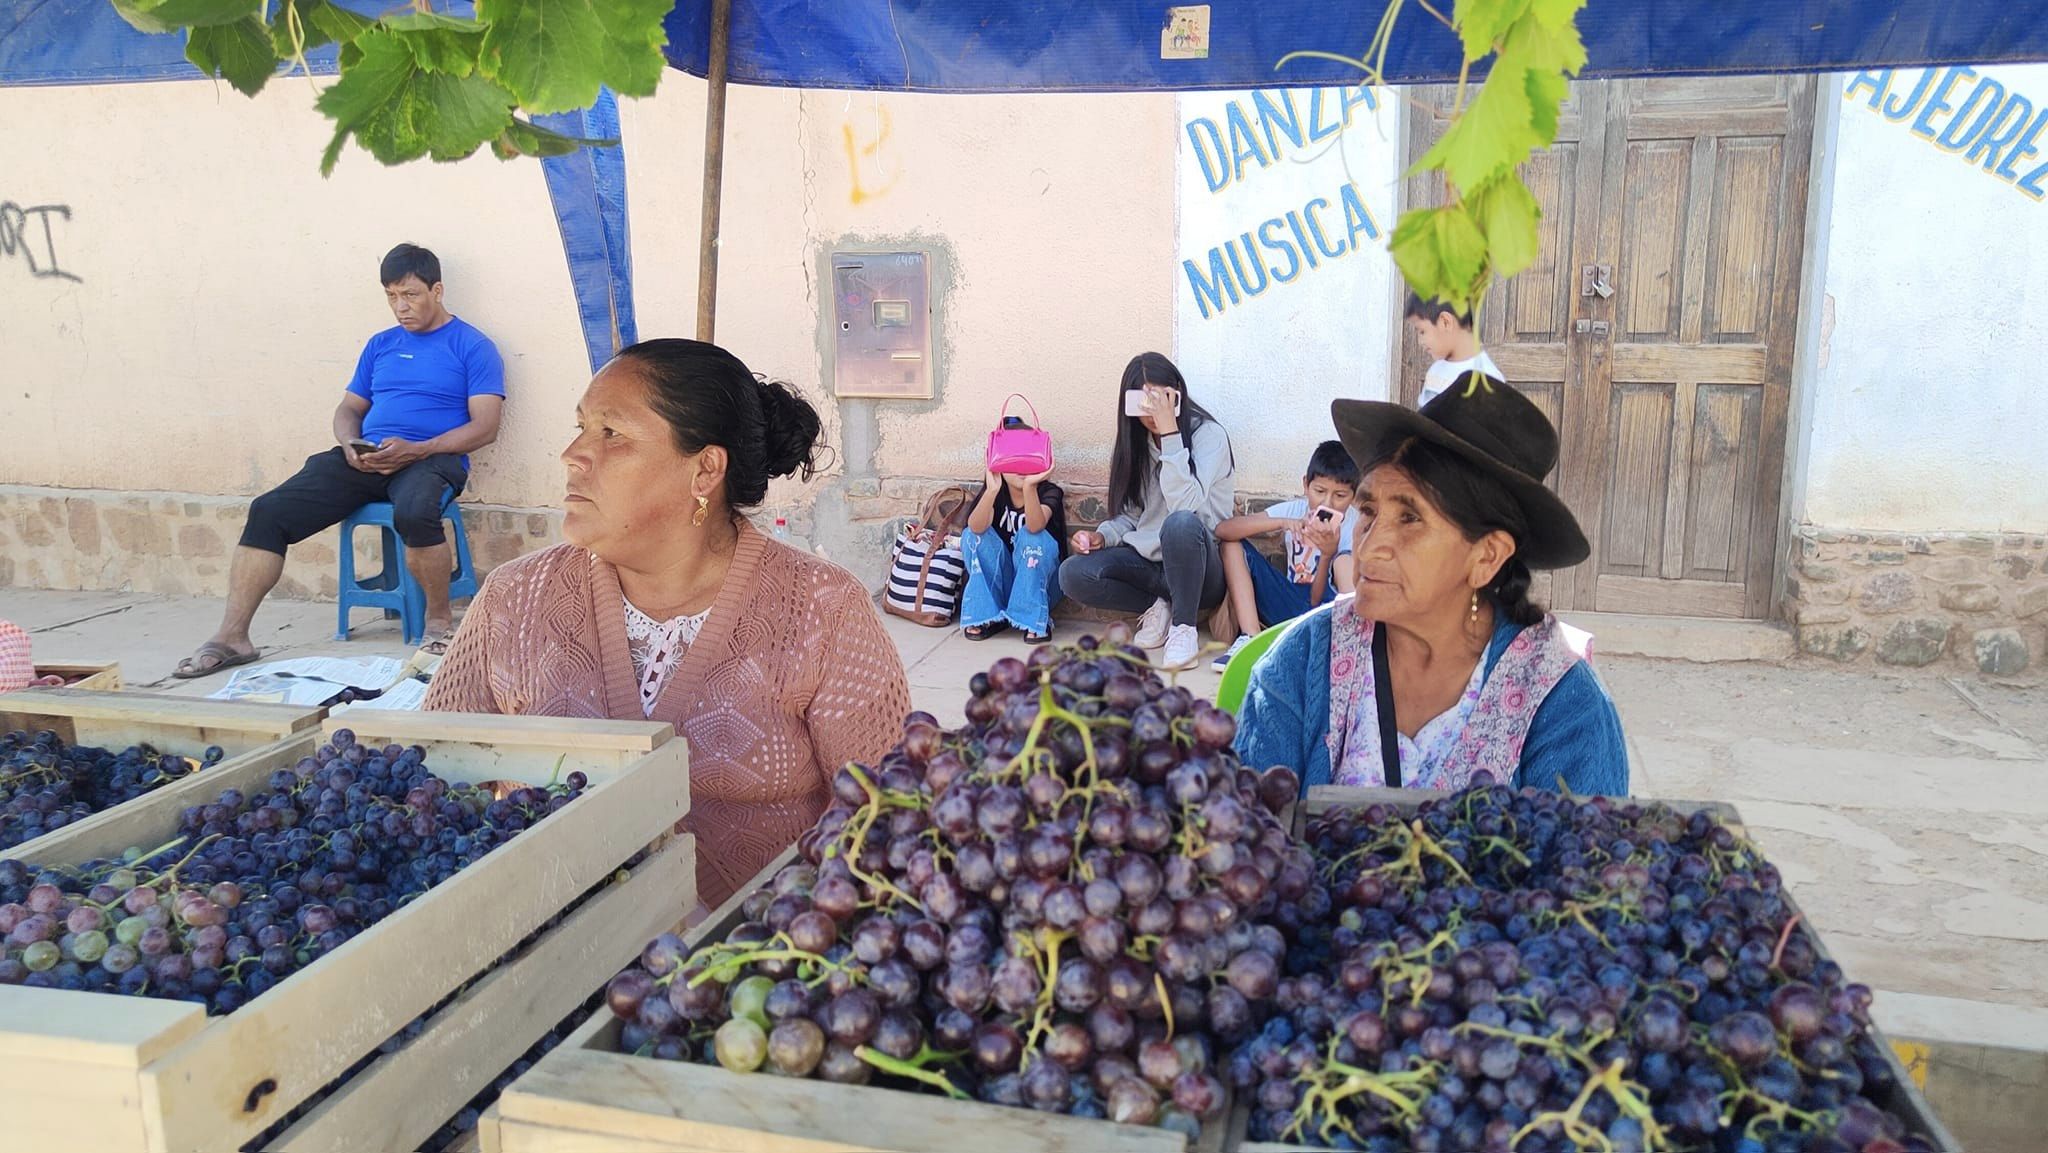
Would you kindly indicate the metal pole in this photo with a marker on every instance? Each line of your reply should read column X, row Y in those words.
column 714, row 170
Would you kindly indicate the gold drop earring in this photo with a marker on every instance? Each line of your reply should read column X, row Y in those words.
column 704, row 510
column 1475, row 606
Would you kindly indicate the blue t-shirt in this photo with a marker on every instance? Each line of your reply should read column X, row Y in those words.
column 419, row 383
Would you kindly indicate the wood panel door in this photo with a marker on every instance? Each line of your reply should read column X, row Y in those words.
column 1656, row 330
column 1526, row 322
column 1703, row 212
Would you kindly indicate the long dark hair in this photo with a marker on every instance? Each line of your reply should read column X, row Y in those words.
column 1132, row 461
column 709, row 396
column 1477, row 504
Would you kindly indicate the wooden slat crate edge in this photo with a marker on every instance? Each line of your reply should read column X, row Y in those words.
column 288, row 1039
column 402, row 1098
column 199, row 712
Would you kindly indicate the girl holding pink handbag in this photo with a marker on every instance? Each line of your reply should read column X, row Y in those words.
column 1016, row 535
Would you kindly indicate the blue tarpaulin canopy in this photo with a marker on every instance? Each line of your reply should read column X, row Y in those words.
column 1115, row 45
column 1087, row 46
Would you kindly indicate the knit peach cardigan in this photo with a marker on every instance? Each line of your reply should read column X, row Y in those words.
column 791, row 677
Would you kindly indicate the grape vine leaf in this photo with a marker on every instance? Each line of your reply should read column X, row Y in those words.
column 1509, row 215
column 199, row 13
column 240, row 53
column 320, row 23
column 1557, row 14
column 1440, row 251
column 440, row 43
column 554, row 55
column 1482, row 23
column 1493, row 134
column 525, row 138
column 400, row 111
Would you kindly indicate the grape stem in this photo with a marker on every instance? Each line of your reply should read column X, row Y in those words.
column 869, row 813
column 1165, row 1003
column 900, row 1068
column 1778, row 954
column 1404, row 1091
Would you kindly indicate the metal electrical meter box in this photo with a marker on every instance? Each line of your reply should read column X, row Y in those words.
column 882, row 315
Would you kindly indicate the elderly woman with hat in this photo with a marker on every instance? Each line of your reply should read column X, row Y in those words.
column 1439, row 672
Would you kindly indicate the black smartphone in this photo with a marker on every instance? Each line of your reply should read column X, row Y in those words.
column 363, row 446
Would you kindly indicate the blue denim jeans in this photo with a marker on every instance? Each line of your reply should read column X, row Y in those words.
column 1018, row 584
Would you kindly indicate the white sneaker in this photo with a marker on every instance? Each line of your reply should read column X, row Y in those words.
column 1183, row 644
column 1153, row 625
column 1236, row 647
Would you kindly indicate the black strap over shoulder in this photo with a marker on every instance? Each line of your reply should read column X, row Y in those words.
column 1383, row 696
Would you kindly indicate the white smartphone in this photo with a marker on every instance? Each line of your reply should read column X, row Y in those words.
column 1134, row 402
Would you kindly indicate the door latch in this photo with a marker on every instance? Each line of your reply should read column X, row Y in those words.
column 1596, row 280
column 1598, row 328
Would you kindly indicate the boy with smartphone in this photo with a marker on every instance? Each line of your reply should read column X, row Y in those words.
column 1318, row 528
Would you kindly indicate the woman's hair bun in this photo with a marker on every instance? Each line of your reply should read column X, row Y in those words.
column 793, row 431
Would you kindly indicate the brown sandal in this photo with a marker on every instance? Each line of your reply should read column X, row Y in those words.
column 222, row 657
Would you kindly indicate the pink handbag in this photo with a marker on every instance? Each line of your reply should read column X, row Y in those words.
column 1019, row 451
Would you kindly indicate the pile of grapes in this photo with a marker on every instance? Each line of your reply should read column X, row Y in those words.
column 260, row 885
column 1539, row 973
column 1052, row 907
column 46, row 784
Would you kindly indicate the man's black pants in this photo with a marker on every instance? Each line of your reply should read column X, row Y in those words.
column 327, row 490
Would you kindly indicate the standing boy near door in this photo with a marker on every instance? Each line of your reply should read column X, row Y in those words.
column 1446, row 334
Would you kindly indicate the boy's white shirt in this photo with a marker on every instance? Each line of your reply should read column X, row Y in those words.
column 1444, row 373
column 1303, row 557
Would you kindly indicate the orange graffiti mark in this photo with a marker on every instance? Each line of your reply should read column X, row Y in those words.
column 855, row 150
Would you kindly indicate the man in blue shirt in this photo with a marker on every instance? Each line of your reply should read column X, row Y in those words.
column 425, row 394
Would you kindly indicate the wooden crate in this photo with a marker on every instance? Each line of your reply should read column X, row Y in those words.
column 180, row 725
column 94, row 1071
column 402, row 1098
column 1907, row 1101
column 104, row 676
column 587, row 1097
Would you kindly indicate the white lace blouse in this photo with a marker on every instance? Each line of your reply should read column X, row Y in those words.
column 657, row 648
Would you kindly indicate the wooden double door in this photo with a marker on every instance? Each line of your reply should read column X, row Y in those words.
column 1656, row 330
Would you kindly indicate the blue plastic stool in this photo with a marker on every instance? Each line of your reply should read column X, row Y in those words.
column 393, row 588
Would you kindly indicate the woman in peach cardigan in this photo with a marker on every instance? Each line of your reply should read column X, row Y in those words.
column 668, row 604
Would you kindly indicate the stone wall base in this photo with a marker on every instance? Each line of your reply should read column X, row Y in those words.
column 1952, row 600
column 179, row 544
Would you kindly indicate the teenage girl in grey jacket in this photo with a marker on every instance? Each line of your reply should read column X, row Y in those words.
column 1171, row 482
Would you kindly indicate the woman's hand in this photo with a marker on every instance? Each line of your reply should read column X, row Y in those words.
column 992, row 480
column 1159, row 414
column 1032, row 482
column 1085, row 542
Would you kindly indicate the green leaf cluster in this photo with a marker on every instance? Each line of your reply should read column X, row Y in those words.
column 417, row 83
column 1487, row 226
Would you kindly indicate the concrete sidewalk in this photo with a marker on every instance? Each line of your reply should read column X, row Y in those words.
column 1909, row 813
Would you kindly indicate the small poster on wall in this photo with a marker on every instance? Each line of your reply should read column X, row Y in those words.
column 1186, row 34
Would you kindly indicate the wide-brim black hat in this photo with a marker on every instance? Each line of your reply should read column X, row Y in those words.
column 1496, row 430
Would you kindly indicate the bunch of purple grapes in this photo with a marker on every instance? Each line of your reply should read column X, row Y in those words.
column 46, row 784
column 1540, row 973
column 1054, row 907
column 257, row 886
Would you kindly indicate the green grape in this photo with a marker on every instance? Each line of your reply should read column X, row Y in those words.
column 749, row 999
column 90, row 946
column 130, row 930
column 740, row 1044
column 44, row 955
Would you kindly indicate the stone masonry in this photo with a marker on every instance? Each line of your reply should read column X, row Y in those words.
column 1942, row 600
column 179, row 543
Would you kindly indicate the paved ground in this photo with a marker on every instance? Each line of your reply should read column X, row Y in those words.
column 1909, row 812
